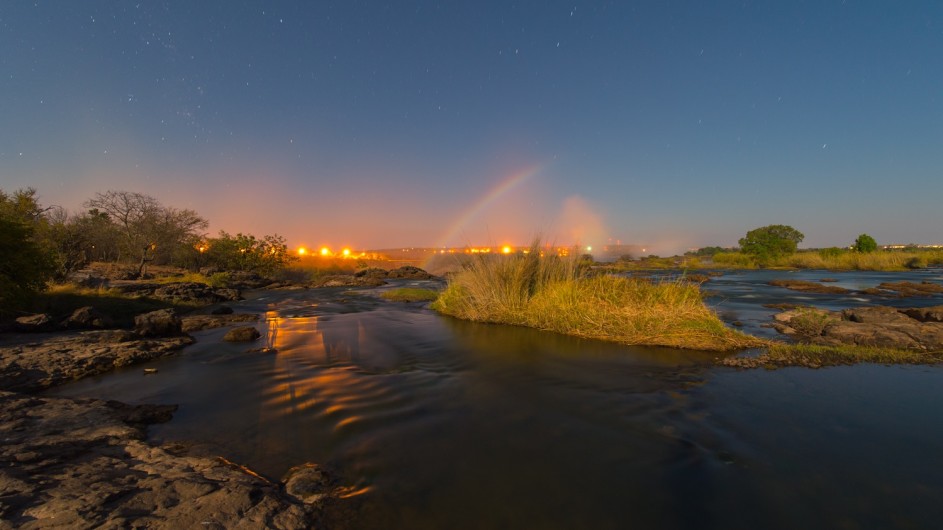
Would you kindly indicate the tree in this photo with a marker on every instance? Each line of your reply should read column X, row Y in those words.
column 770, row 242
column 865, row 244
column 147, row 228
column 246, row 253
column 25, row 263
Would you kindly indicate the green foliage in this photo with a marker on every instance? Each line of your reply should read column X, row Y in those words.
column 734, row 260
column 410, row 294
column 243, row 252
column 810, row 322
column 830, row 252
column 865, row 244
column 705, row 252
column 771, row 242
column 26, row 263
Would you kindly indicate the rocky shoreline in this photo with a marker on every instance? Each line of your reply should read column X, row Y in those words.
column 85, row 463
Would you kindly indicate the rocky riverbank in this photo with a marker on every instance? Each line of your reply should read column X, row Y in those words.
column 85, row 463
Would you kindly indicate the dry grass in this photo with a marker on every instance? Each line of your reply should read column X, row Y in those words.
column 551, row 294
column 881, row 260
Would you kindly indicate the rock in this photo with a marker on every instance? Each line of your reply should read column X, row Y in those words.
column 372, row 272
column 83, row 463
column 307, row 482
column 242, row 334
column 808, row 287
column 87, row 318
column 925, row 314
column 410, row 272
column 187, row 292
column 877, row 326
column 876, row 315
column 160, row 323
column 222, row 310
column 63, row 358
column 924, row 288
column 232, row 295
column 34, row 323
column 348, row 280
column 200, row 322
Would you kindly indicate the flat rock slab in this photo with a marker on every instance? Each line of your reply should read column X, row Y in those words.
column 83, row 463
column 56, row 360
column 200, row 322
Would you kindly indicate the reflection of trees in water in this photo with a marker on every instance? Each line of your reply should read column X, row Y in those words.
column 341, row 338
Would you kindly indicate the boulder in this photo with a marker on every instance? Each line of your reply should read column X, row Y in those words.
column 222, row 310
column 242, row 334
column 232, row 295
column 87, row 318
column 307, row 483
column 925, row 314
column 410, row 272
column 187, row 292
column 876, row 315
column 160, row 323
column 200, row 322
column 34, row 323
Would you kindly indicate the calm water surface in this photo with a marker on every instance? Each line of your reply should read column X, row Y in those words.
column 438, row 423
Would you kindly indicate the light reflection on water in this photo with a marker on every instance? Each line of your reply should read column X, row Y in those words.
column 441, row 423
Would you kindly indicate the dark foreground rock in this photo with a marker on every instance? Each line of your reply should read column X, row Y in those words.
column 63, row 358
column 160, row 323
column 83, row 464
column 192, row 323
column 242, row 334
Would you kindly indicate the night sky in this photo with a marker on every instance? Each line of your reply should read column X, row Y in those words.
column 383, row 124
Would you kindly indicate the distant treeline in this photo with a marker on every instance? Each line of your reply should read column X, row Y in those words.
column 42, row 243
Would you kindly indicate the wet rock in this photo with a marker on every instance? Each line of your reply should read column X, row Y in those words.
column 308, row 483
column 808, row 287
column 222, row 310
column 242, row 334
column 83, row 463
column 60, row 359
column 87, row 318
column 192, row 323
column 160, row 323
column 906, row 289
column 34, row 323
column 187, row 292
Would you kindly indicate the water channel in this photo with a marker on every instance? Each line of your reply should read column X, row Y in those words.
column 437, row 423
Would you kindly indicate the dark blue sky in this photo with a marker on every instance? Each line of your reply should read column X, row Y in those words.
column 673, row 124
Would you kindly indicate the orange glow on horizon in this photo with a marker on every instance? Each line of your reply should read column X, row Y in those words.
column 325, row 251
column 506, row 249
column 302, row 251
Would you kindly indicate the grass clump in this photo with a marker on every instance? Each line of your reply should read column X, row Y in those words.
column 410, row 294
column 552, row 293
column 816, row 356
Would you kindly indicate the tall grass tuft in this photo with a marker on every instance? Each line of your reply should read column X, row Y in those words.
column 552, row 293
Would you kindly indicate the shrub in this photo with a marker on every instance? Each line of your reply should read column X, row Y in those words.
column 865, row 244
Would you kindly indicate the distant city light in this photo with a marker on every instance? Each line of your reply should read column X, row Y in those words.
column 302, row 251
column 325, row 251
column 506, row 249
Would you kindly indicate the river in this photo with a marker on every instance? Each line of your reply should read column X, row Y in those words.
column 436, row 423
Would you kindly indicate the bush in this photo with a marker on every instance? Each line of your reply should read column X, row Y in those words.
column 865, row 244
